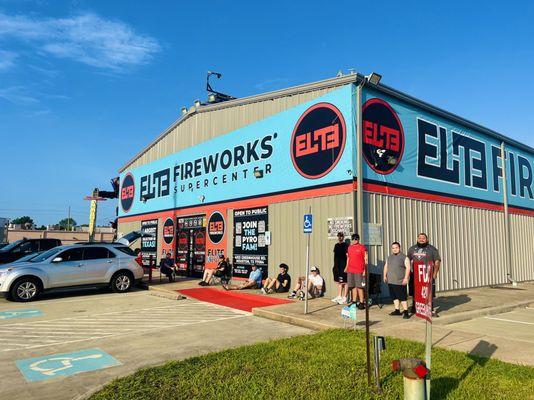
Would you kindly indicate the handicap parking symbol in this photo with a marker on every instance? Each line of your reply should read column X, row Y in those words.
column 66, row 364
column 20, row 314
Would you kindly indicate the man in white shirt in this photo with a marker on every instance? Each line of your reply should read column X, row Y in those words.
column 316, row 285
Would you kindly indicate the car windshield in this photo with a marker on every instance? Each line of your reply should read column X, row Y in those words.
column 46, row 255
column 11, row 245
column 28, row 257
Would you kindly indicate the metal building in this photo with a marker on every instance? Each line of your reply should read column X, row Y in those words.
column 236, row 177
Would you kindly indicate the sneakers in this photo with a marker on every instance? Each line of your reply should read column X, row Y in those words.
column 360, row 306
column 292, row 295
column 405, row 314
column 263, row 290
column 342, row 301
column 336, row 299
column 396, row 312
column 225, row 286
column 301, row 295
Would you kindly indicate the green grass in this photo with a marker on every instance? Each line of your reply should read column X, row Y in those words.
column 326, row 365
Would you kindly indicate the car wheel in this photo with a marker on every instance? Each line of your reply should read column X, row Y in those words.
column 121, row 282
column 26, row 289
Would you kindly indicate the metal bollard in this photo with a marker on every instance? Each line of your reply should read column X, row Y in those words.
column 414, row 372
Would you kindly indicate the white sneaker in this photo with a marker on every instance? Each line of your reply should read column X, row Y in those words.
column 336, row 299
column 263, row 290
column 342, row 300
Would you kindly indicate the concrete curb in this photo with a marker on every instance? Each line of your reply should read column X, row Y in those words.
column 293, row 320
column 165, row 293
column 468, row 315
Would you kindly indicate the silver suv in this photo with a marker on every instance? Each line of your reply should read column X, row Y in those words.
column 95, row 264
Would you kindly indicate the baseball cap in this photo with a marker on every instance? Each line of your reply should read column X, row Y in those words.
column 314, row 268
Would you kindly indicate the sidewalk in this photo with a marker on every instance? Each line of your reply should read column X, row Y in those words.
column 448, row 332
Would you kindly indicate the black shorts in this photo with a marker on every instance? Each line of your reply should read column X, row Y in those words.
column 282, row 289
column 397, row 292
column 339, row 275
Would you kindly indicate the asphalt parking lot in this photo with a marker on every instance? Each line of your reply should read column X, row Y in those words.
column 510, row 335
column 63, row 347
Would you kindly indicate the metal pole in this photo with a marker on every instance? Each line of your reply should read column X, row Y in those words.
column 359, row 166
column 359, row 216
column 307, row 272
column 428, row 352
column 507, row 240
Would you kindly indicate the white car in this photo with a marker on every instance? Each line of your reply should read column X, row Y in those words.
column 87, row 264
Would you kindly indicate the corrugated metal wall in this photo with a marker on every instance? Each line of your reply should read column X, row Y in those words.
column 471, row 241
column 208, row 125
column 522, row 238
column 289, row 243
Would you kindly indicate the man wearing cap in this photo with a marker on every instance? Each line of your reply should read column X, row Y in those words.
column 316, row 285
column 356, row 269
column 280, row 284
column 340, row 262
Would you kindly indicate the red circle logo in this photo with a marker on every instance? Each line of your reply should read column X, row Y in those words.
column 318, row 140
column 127, row 192
column 382, row 136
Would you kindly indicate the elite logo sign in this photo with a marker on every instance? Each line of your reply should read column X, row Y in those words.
column 216, row 227
column 127, row 192
column 318, row 140
column 168, row 231
column 383, row 136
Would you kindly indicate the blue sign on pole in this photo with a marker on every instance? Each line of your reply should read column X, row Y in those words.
column 307, row 225
column 27, row 313
column 52, row 366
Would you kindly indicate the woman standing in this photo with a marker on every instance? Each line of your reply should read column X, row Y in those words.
column 396, row 275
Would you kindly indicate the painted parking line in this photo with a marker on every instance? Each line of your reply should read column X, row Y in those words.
column 43, row 333
column 66, row 364
column 510, row 320
column 29, row 313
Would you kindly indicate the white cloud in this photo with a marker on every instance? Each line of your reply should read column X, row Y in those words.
column 7, row 60
column 86, row 38
column 17, row 95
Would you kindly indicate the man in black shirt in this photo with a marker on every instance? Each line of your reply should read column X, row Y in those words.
column 424, row 252
column 281, row 284
column 340, row 262
column 166, row 266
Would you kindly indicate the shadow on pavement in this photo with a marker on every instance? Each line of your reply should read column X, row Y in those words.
column 449, row 302
column 480, row 354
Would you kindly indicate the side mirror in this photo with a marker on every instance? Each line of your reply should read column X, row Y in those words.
column 57, row 260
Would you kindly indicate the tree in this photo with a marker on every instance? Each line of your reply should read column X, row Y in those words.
column 67, row 223
column 23, row 221
column 41, row 228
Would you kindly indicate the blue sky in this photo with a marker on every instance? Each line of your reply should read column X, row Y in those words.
column 84, row 85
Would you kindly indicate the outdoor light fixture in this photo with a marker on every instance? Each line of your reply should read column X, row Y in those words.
column 197, row 103
column 212, row 98
column 258, row 173
column 184, row 110
column 374, row 78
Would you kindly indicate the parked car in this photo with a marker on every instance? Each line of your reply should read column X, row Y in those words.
column 83, row 265
column 23, row 247
column 28, row 257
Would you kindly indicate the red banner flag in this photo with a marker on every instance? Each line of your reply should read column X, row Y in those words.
column 423, row 290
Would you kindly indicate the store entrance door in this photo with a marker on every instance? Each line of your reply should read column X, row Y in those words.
column 191, row 245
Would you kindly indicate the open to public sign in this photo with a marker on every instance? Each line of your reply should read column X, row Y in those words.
column 423, row 291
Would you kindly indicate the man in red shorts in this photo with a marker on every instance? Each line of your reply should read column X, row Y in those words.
column 355, row 269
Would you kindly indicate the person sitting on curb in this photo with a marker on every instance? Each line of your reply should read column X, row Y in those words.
column 253, row 281
column 316, row 286
column 281, row 284
column 397, row 275
column 166, row 266
column 219, row 271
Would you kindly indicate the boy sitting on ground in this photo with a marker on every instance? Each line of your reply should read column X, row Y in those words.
column 316, row 286
column 281, row 284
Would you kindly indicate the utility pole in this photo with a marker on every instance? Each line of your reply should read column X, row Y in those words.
column 68, row 220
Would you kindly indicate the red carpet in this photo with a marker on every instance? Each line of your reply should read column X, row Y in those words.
column 233, row 299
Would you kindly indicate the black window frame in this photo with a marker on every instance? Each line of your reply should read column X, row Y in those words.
column 80, row 249
column 109, row 253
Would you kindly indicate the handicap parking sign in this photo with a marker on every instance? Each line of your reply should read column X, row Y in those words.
column 308, row 223
column 20, row 314
column 66, row 364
